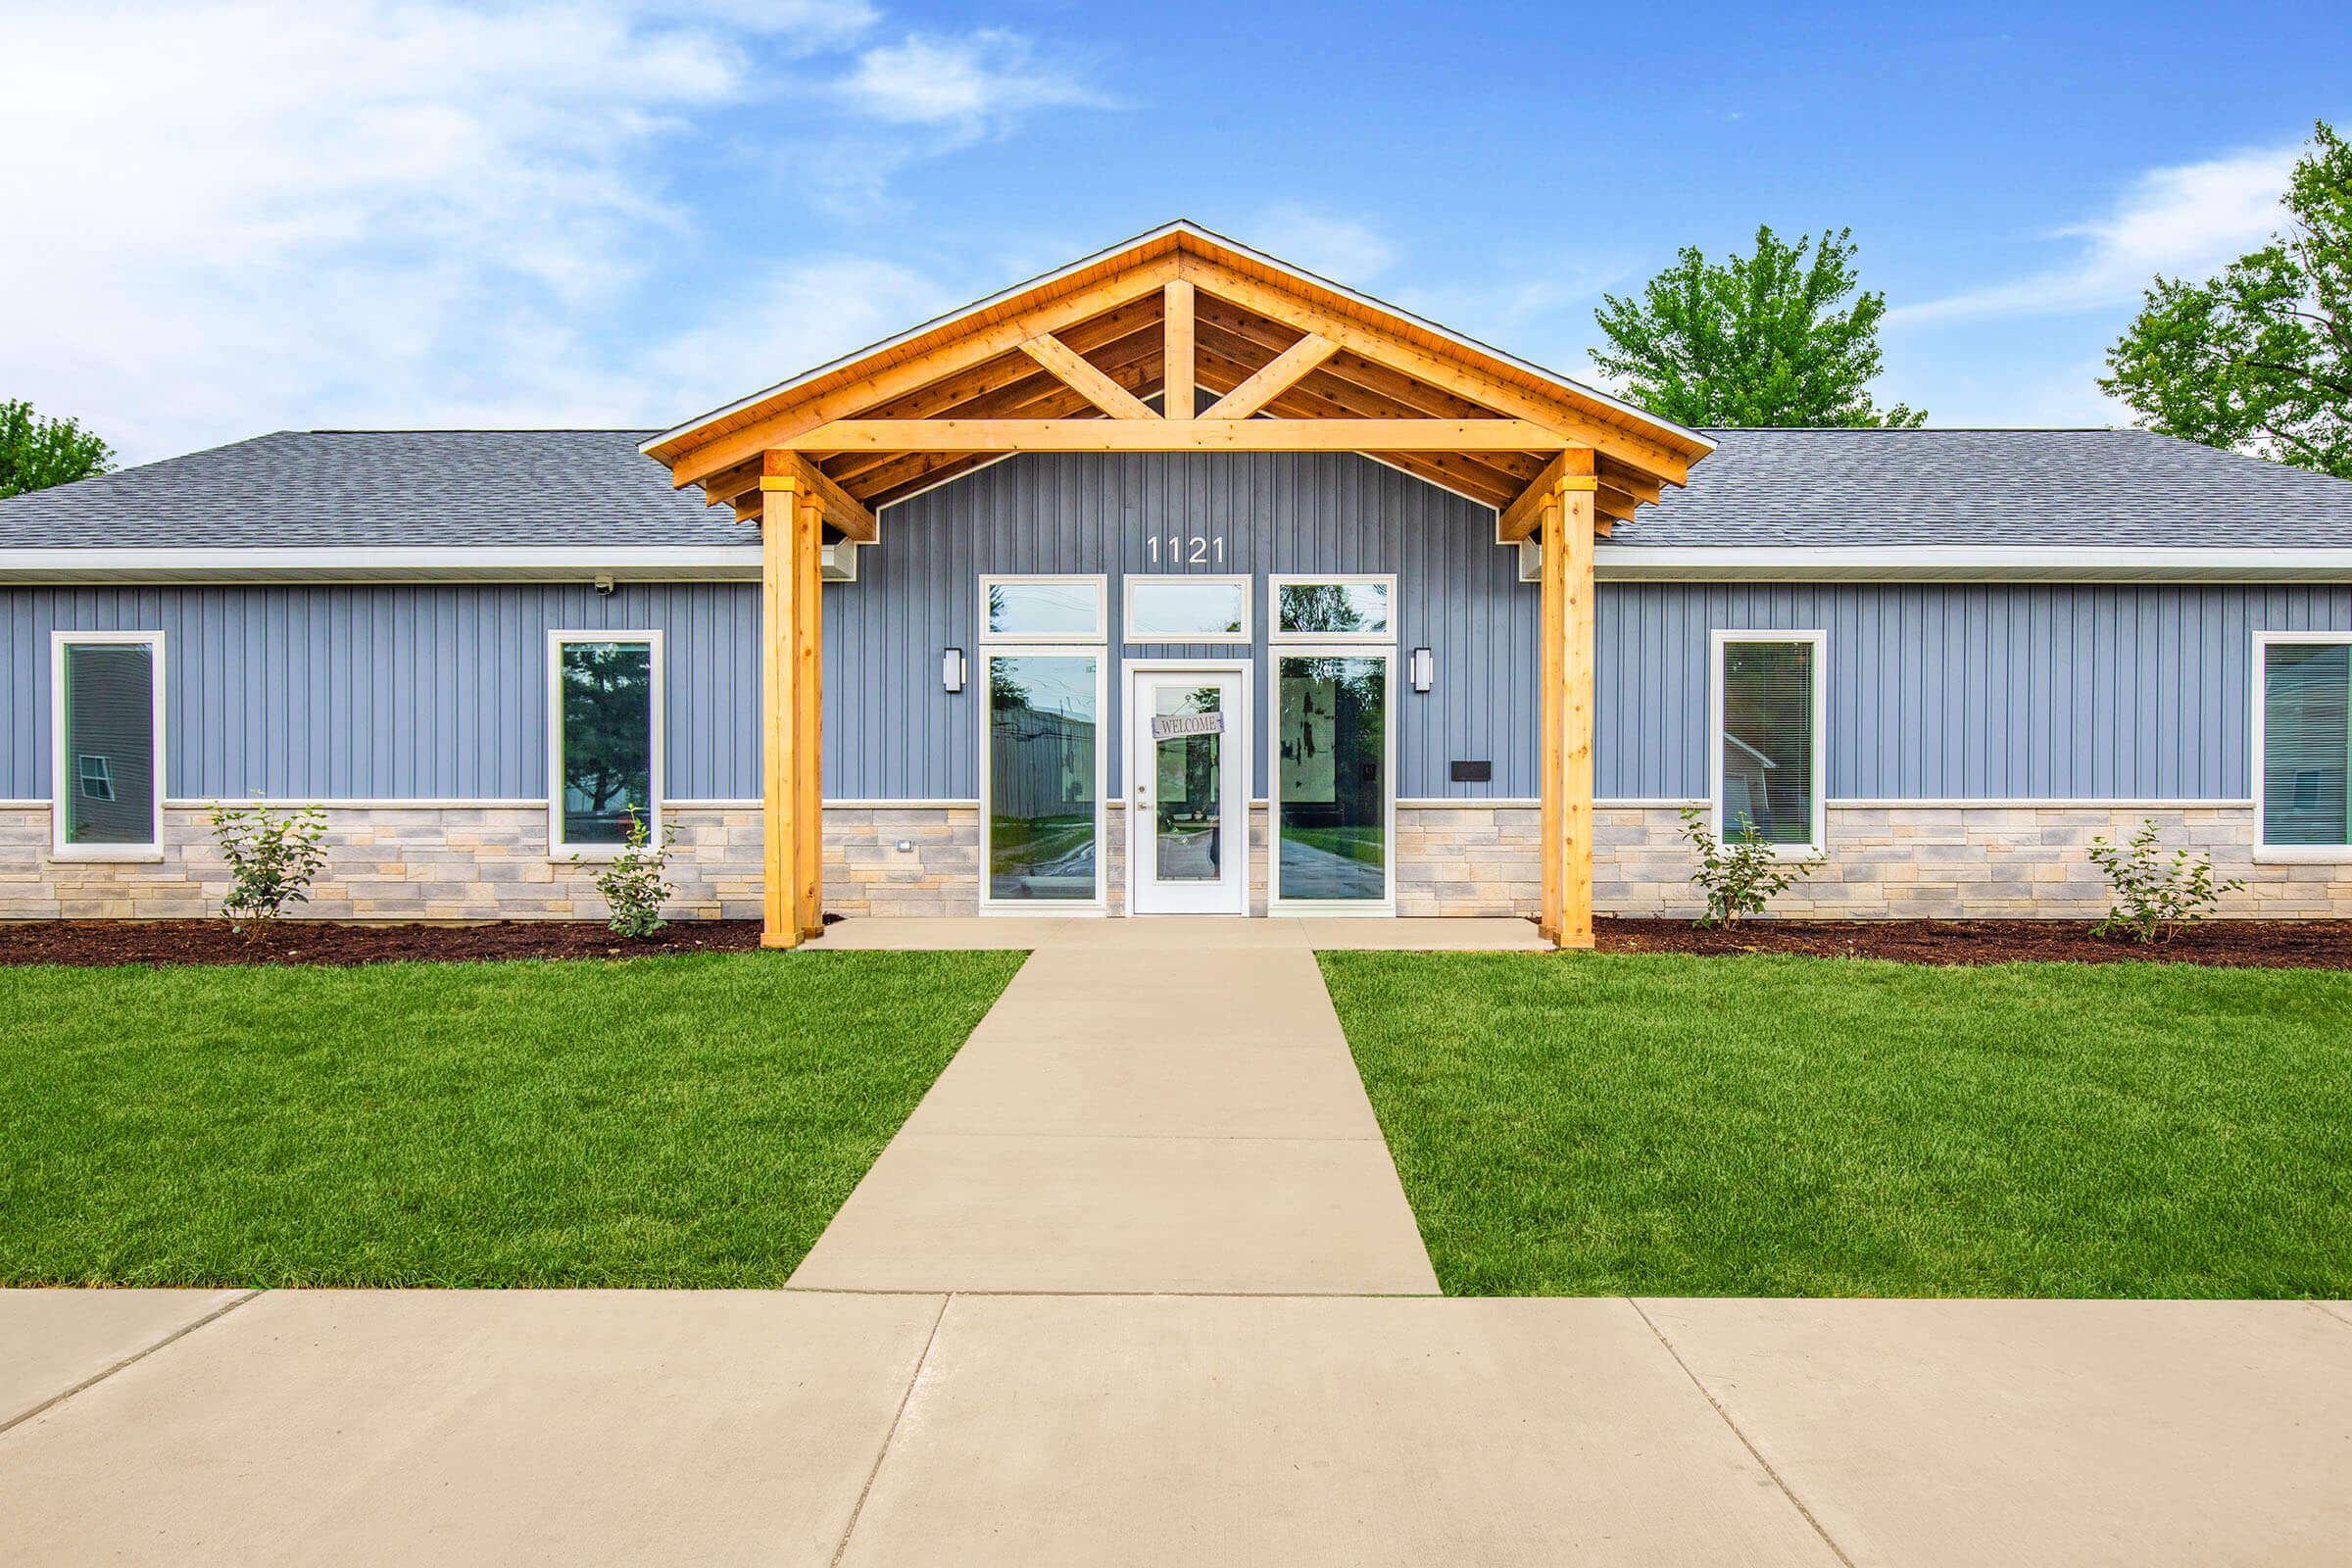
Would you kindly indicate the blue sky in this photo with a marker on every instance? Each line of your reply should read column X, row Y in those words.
column 234, row 216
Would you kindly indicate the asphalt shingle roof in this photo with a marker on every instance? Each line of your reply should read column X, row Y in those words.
column 2130, row 489
column 1761, row 488
column 380, row 488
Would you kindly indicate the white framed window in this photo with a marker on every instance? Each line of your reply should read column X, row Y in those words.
column 1197, row 608
column 1347, row 608
column 1767, row 729
column 1045, row 763
column 2302, row 749
column 106, row 758
column 604, row 740
column 1045, row 609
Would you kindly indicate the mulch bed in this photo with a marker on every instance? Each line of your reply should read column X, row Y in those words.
column 96, row 942
column 2264, row 944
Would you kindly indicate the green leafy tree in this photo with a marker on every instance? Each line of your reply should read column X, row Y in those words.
column 2258, row 359
column 36, row 453
column 1777, row 338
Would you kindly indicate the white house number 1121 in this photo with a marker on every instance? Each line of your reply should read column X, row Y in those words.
column 1178, row 551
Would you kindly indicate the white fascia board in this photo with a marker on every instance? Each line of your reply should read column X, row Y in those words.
column 1969, row 563
column 324, row 564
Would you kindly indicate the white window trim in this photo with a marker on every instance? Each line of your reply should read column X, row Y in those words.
column 1819, row 640
column 1352, row 639
column 558, row 847
column 2283, row 854
column 1049, row 907
column 1100, row 636
column 60, row 768
column 1238, row 581
column 1329, row 648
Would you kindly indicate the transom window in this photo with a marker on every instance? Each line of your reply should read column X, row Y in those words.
column 1188, row 609
column 604, row 739
column 2303, row 743
column 1327, row 610
column 1766, row 700
column 107, row 745
column 1044, row 609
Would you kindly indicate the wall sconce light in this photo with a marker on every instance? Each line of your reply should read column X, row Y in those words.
column 1425, row 670
column 951, row 669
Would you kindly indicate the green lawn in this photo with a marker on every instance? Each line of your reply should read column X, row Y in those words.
column 687, row 1121
column 1589, row 1125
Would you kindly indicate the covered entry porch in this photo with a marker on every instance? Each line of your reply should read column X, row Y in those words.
column 1178, row 342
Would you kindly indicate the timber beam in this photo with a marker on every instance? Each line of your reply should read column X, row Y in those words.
column 1176, row 435
column 1083, row 377
column 850, row 516
column 1278, row 376
column 1180, row 379
column 1572, row 469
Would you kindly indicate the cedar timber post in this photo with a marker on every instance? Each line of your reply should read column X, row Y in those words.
column 808, row 687
column 780, row 614
column 1567, row 673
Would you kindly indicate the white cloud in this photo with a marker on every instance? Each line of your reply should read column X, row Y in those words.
column 241, row 215
column 801, row 315
column 1345, row 250
column 965, row 85
column 2189, row 221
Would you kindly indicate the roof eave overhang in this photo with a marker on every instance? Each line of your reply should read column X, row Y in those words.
column 1631, row 562
column 741, row 564
column 424, row 564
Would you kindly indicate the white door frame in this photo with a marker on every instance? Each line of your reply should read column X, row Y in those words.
column 1235, row 760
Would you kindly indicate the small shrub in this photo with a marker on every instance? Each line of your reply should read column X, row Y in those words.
column 272, row 857
column 2155, row 898
column 632, row 884
column 1739, row 878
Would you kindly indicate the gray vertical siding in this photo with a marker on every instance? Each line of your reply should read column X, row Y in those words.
column 392, row 692
column 891, row 732
column 1986, row 692
column 1936, row 691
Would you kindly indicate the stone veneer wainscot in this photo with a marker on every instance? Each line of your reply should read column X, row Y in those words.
column 480, row 860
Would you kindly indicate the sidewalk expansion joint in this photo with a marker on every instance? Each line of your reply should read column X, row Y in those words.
column 882, row 1453
column 1754, row 1452
column 92, row 1381
column 2326, row 1310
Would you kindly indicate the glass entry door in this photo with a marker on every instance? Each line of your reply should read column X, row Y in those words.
column 1333, row 759
column 1187, row 791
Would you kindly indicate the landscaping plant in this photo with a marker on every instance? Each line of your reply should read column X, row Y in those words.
column 632, row 884
column 272, row 857
column 1737, row 877
column 2155, row 898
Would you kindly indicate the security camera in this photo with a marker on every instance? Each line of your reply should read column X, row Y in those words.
column 603, row 587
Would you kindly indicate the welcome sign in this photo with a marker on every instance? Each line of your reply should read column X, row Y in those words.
column 1176, row 726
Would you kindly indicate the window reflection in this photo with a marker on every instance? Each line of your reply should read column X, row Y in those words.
column 1043, row 788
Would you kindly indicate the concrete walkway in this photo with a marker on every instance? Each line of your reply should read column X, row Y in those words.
column 641, row 1428
column 1136, row 1284
column 1153, row 1106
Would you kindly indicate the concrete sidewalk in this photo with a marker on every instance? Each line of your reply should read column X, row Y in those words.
column 1162, row 1106
column 811, row 1427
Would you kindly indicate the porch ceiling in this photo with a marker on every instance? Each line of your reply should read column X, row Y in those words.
column 1082, row 360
